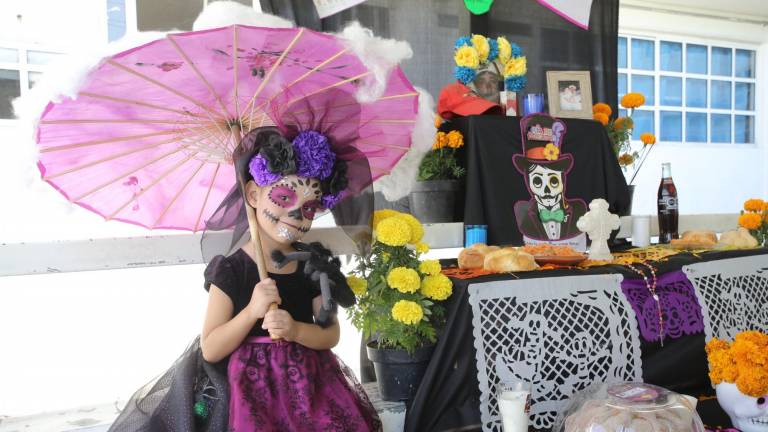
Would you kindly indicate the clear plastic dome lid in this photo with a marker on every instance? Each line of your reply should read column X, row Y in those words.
column 629, row 407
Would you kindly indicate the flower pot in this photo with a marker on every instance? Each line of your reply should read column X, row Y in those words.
column 434, row 201
column 397, row 372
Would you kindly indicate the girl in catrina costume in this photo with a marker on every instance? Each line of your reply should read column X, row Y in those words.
column 254, row 368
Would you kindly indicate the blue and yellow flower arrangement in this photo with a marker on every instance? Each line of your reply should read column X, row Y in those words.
column 473, row 52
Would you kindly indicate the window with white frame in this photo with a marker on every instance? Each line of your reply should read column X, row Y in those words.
column 695, row 92
column 20, row 68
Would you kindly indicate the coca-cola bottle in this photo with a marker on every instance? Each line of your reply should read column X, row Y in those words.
column 667, row 206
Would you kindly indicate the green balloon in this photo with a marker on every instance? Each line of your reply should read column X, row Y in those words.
column 478, row 7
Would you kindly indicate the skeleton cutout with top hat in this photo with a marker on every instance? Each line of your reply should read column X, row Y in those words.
column 548, row 217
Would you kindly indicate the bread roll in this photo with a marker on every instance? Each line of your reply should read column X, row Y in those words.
column 740, row 238
column 509, row 260
column 470, row 258
column 695, row 240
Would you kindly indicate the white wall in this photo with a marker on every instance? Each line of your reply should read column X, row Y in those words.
column 63, row 24
column 711, row 178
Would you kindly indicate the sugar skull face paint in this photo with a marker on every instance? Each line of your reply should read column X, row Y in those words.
column 285, row 210
column 546, row 185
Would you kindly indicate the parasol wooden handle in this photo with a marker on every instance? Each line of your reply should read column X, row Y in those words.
column 253, row 227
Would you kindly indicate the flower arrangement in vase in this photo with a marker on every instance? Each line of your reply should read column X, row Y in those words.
column 441, row 163
column 396, row 291
column 620, row 133
column 754, row 218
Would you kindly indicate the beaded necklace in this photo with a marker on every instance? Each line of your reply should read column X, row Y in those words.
column 652, row 289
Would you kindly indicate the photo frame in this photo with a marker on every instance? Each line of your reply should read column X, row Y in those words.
column 569, row 94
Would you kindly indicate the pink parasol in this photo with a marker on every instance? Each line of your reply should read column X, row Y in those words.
column 150, row 136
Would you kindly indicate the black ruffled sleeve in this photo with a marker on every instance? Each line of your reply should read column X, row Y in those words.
column 221, row 273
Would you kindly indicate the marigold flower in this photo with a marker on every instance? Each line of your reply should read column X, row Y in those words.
column 404, row 279
column 393, row 231
column 407, row 312
column 455, row 139
column 623, row 123
column 601, row 117
column 626, row 159
column 380, row 215
column 648, row 138
column 632, row 100
column 438, row 121
column 441, row 140
column 358, row 285
column 551, row 152
column 430, row 267
column 437, row 287
column 505, row 49
column 755, row 205
column 416, row 228
column 750, row 221
column 422, row 247
column 744, row 362
column 467, row 56
column 482, row 46
column 515, row 67
column 602, row 108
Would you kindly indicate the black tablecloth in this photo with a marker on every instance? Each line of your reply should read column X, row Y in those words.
column 493, row 185
column 448, row 397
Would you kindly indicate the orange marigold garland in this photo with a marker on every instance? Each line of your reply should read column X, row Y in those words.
column 743, row 362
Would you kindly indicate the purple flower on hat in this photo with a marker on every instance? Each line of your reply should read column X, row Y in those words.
column 314, row 158
column 330, row 200
column 258, row 167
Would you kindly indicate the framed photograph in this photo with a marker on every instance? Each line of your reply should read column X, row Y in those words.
column 569, row 94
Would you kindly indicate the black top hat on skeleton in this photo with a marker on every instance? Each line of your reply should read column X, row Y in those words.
column 542, row 138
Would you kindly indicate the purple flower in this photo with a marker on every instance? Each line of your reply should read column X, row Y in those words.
column 314, row 158
column 330, row 200
column 261, row 173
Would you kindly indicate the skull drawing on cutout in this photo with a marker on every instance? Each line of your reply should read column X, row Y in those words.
column 748, row 414
column 546, row 185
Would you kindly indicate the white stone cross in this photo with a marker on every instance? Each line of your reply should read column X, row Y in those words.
column 598, row 223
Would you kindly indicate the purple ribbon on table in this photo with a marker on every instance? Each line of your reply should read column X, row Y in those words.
column 679, row 306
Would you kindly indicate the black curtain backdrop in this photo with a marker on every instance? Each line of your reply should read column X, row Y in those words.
column 549, row 42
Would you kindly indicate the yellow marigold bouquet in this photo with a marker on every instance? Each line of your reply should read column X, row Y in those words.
column 743, row 362
column 397, row 292
column 620, row 132
column 441, row 163
column 754, row 217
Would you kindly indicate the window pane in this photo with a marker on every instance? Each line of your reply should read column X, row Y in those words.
column 622, row 112
column 721, row 94
column 33, row 77
column 622, row 52
column 696, row 58
column 721, row 128
column 671, row 126
column 671, row 91
column 9, row 55
column 40, row 57
column 643, row 123
column 644, row 84
column 671, row 56
column 721, row 61
column 622, row 85
column 744, row 128
column 745, row 63
column 10, row 88
column 695, row 93
column 745, row 96
column 695, row 127
column 115, row 19
column 642, row 54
